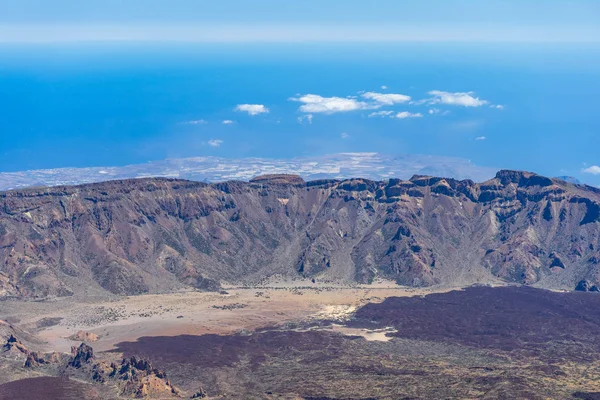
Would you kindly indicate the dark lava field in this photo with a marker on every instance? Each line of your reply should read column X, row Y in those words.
column 482, row 342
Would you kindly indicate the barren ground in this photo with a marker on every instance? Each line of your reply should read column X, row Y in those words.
column 302, row 340
column 195, row 313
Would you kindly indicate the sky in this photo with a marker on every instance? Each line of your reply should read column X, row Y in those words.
column 293, row 20
column 505, row 84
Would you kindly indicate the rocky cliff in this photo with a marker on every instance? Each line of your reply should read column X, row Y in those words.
column 154, row 235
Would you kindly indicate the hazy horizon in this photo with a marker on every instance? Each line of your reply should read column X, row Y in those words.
column 505, row 84
column 310, row 20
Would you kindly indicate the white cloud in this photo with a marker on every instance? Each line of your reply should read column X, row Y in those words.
column 196, row 122
column 308, row 118
column 497, row 106
column 387, row 99
column 406, row 114
column 384, row 87
column 228, row 122
column 465, row 99
column 380, row 114
column 480, row 138
column 215, row 142
column 252, row 109
column 437, row 111
column 313, row 103
column 594, row 170
column 344, row 135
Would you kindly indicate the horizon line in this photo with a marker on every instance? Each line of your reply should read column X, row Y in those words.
column 40, row 34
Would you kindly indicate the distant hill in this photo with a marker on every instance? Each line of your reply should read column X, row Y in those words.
column 570, row 179
column 373, row 166
column 157, row 234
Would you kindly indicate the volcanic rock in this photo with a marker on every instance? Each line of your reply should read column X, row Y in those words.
column 15, row 344
column 279, row 179
column 81, row 356
column 34, row 359
column 583, row 286
column 83, row 336
column 158, row 235
column 143, row 380
column 200, row 394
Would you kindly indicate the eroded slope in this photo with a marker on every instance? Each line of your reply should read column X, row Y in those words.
column 154, row 235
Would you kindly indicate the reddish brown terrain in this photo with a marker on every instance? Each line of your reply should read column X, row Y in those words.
column 307, row 343
column 519, row 320
column 48, row 388
column 157, row 235
column 489, row 343
column 283, row 289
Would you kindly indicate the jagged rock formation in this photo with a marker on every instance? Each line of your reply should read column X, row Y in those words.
column 12, row 343
column 34, row 359
column 585, row 286
column 134, row 377
column 143, row 380
column 82, row 355
column 152, row 235
column 19, row 351
column 13, row 337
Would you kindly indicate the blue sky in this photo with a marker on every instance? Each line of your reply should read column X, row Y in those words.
column 292, row 20
column 516, row 86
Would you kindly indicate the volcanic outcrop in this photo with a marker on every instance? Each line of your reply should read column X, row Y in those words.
column 12, row 343
column 19, row 351
column 86, row 337
column 82, row 355
column 134, row 377
column 143, row 380
column 155, row 235
column 585, row 286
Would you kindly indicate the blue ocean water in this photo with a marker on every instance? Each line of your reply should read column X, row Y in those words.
column 100, row 104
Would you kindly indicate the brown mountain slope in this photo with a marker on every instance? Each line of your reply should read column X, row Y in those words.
column 151, row 235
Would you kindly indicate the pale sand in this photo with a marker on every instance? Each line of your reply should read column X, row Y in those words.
column 192, row 313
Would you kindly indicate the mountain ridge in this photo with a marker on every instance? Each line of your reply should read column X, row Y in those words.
column 159, row 234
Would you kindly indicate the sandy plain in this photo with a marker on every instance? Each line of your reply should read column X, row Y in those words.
column 233, row 310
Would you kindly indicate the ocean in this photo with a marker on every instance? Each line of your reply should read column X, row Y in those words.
column 110, row 104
